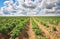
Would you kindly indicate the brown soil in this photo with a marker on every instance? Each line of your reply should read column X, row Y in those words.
column 45, row 30
column 24, row 34
column 58, row 27
column 4, row 36
column 27, row 33
column 1, row 36
column 30, row 32
column 58, row 31
column 56, row 34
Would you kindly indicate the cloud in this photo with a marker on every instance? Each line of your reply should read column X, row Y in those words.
column 30, row 8
column 51, row 8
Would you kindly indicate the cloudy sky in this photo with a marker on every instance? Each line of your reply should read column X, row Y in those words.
column 30, row 8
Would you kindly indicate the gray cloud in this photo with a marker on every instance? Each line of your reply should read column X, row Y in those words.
column 50, row 6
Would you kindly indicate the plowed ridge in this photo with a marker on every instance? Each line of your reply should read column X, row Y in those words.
column 45, row 30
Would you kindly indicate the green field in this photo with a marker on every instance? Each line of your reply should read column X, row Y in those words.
column 42, row 27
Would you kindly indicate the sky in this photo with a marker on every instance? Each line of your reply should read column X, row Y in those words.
column 29, row 8
column 2, row 2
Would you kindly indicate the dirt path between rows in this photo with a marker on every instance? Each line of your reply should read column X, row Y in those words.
column 58, row 27
column 45, row 30
column 31, row 32
column 55, row 33
column 58, row 30
column 28, row 33
column 24, row 34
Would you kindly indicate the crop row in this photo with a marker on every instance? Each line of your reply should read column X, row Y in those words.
column 12, row 26
column 38, row 32
column 49, row 22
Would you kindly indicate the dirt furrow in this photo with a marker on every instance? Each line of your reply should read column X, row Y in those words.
column 58, row 27
column 30, row 32
column 44, row 29
column 54, row 33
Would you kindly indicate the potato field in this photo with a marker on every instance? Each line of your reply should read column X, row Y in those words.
column 34, row 27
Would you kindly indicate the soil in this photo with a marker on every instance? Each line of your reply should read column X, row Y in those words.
column 45, row 30
column 31, row 32
column 28, row 32
column 24, row 34
column 1, row 36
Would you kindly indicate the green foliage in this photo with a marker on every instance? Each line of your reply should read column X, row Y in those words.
column 37, row 31
column 36, row 28
column 54, row 28
column 53, row 20
column 12, row 25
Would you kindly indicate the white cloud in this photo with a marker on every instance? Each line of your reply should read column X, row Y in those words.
column 30, row 8
column 51, row 7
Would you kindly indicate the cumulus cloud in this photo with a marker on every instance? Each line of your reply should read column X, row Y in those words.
column 30, row 8
column 51, row 7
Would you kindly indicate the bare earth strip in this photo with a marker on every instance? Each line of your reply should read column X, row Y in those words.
column 55, row 33
column 45, row 30
column 30, row 32
column 58, row 27
column 24, row 33
column 58, row 30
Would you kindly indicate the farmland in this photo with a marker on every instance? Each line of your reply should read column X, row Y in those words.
column 30, row 27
